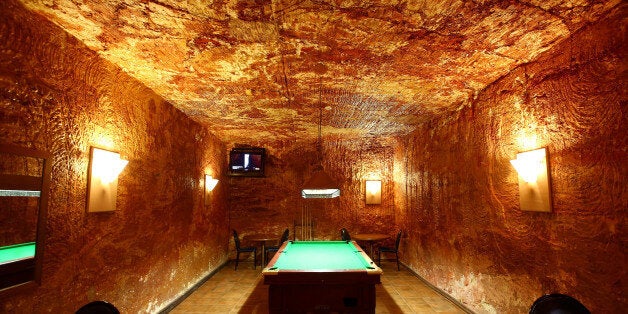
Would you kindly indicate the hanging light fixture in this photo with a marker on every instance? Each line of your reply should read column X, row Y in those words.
column 320, row 185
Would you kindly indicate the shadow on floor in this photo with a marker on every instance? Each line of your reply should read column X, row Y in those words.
column 257, row 301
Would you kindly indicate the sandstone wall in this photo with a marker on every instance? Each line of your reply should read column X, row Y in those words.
column 455, row 192
column 269, row 205
column 458, row 201
column 58, row 96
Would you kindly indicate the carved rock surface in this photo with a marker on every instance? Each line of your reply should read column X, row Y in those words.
column 252, row 70
column 56, row 95
column 441, row 76
column 460, row 207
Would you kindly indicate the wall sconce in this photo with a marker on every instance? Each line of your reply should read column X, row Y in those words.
column 102, row 188
column 534, row 187
column 373, row 191
column 210, row 184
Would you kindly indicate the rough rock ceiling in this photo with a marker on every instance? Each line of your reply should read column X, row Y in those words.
column 252, row 70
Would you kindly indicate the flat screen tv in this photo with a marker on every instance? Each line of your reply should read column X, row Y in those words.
column 247, row 161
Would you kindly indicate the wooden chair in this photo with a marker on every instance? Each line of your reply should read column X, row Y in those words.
column 344, row 235
column 247, row 249
column 557, row 303
column 386, row 249
column 284, row 238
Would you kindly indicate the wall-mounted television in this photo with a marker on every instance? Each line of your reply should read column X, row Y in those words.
column 247, row 161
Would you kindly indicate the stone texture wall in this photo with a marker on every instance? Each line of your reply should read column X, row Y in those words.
column 454, row 195
column 271, row 204
column 58, row 96
column 459, row 199
column 18, row 219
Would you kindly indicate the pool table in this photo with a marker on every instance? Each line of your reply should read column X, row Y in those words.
column 17, row 264
column 17, row 252
column 321, row 276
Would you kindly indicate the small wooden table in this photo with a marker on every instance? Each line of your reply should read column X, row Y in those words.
column 261, row 240
column 370, row 238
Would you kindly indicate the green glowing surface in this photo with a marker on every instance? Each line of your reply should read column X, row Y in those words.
column 320, row 255
column 17, row 252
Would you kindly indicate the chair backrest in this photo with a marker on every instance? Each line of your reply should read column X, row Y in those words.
column 284, row 236
column 98, row 307
column 398, row 240
column 559, row 304
column 344, row 235
column 236, row 240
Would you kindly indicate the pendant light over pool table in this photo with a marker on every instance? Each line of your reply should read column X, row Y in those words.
column 320, row 185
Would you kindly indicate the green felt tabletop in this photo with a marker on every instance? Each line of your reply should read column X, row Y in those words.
column 320, row 255
column 17, row 252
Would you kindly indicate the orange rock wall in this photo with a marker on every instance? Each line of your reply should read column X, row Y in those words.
column 271, row 204
column 19, row 215
column 58, row 96
column 448, row 185
column 459, row 201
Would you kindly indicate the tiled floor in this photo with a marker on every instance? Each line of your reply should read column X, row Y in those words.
column 243, row 291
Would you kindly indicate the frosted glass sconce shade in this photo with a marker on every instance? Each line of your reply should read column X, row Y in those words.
column 104, row 168
column 210, row 184
column 530, row 164
column 534, row 183
column 373, row 190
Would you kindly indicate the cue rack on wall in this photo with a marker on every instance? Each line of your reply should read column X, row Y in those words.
column 304, row 227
